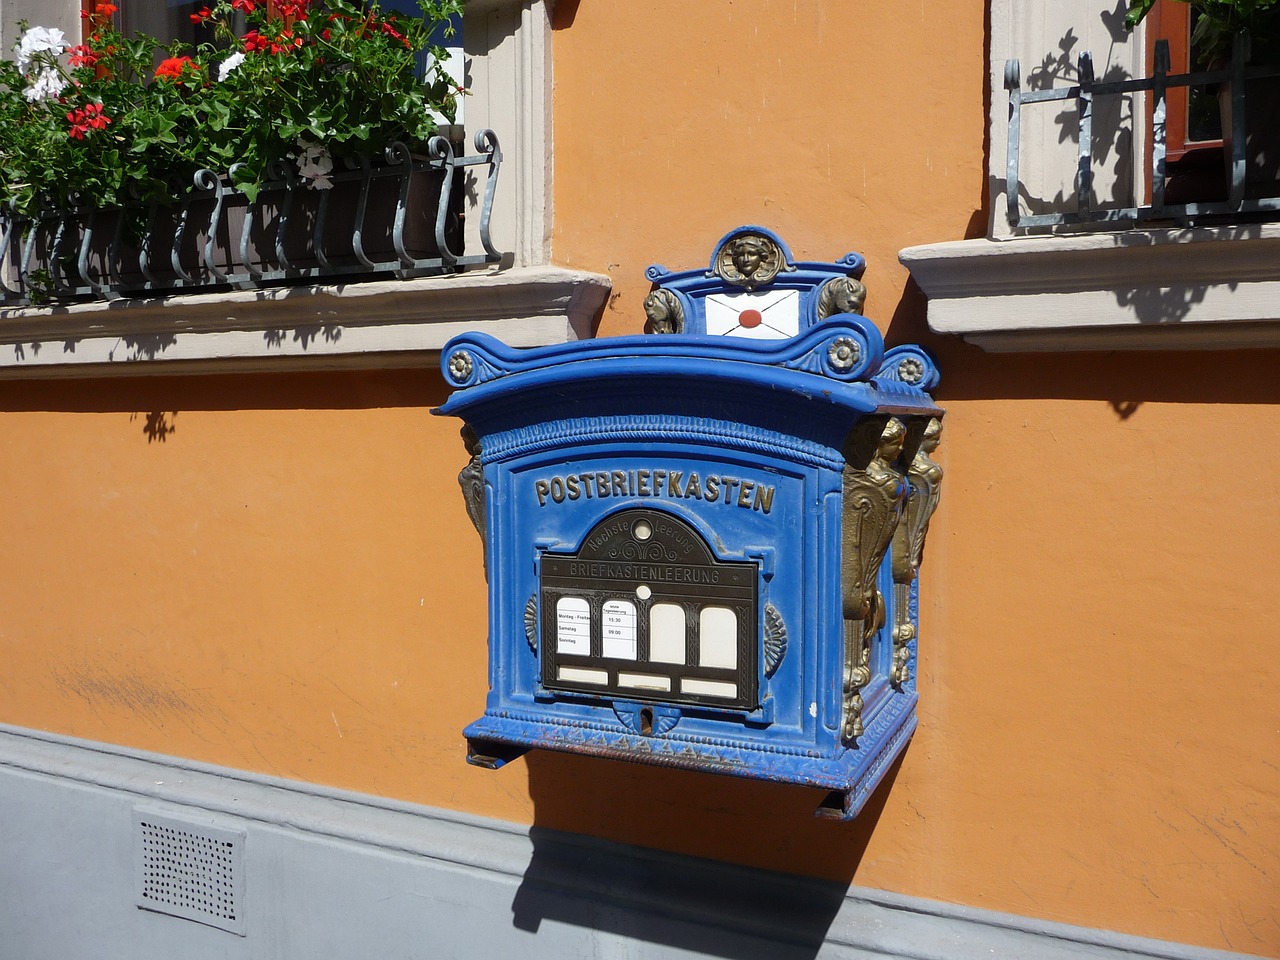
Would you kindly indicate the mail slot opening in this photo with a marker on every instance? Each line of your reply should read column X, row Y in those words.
column 645, row 610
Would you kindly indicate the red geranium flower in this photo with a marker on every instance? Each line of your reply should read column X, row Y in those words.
column 395, row 34
column 277, row 45
column 174, row 67
column 82, row 55
column 86, row 118
column 244, row 6
column 200, row 16
column 101, row 14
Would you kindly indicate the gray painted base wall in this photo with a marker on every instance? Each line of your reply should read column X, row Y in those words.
column 329, row 874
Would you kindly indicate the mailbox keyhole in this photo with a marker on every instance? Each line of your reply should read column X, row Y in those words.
column 646, row 722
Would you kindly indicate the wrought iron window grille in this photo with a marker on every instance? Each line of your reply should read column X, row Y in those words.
column 1236, row 207
column 212, row 237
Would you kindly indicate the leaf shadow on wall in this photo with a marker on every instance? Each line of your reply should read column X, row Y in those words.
column 157, row 425
column 756, row 873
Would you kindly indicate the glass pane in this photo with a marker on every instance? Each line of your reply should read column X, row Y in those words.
column 1204, row 122
column 573, row 626
column 644, row 681
column 718, row 638
column 666, row 633
column 709, row 688
column 619, row 629
column 584, row 675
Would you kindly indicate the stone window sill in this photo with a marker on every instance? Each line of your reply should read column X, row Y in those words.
column 390, row 323
column 1174, row 288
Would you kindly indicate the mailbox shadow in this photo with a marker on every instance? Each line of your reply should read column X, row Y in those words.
column 717, row 865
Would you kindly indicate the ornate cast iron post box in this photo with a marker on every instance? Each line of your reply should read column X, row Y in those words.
column 702, row 547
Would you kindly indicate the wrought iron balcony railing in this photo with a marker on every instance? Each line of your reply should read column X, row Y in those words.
column 402, row 217
column 1238, row 203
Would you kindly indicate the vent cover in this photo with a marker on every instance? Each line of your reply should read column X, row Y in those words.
column 189, row 870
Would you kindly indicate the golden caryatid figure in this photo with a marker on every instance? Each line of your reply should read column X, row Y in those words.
column 924, row 478
column 664, row 311
column 874, row 492
column 471, row 480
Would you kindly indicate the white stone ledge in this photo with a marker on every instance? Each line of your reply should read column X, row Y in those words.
column 384, row 323
column 1194, row 288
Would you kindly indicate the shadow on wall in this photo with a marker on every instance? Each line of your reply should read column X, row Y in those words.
column 1112, row 124
column 157, row 425
column 154, row 400
column 1122, row 378
column 702, row 903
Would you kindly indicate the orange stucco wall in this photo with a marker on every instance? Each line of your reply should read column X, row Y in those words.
column 275, row 571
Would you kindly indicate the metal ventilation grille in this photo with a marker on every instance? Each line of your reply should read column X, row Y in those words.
column 189, row 870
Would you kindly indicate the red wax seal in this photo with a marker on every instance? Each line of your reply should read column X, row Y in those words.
column 750, row 318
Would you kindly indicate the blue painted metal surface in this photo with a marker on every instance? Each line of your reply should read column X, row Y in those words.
column 629, row 478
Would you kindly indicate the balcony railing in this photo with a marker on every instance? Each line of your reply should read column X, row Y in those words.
column 402, row 217
column 1087, row 90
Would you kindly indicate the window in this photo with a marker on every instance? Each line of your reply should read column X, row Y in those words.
column 506, row 68
column 1193, row 125
column 170, row 20
column 1160, row 287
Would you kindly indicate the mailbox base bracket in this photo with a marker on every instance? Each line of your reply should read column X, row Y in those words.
column 492, row 754
column 850, row 776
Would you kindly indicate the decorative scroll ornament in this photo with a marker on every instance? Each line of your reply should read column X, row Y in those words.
column 775, row 640
column 471, row 480
column 843, row 353
column 753, row 288
column 910, row 370
column 911, row 365
column 531, row 623
column 925, row 481
column 460, row 366
column 749, row 260
column 665, row 312
column 841, row 295
column 873, row 497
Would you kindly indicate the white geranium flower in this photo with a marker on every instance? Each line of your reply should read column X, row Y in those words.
column 228, row 66
column 314, row 164
column 44, row 85
column 38, row 40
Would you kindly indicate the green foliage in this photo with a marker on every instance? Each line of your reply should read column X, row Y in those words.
column 111, row 127
column 1220, row 20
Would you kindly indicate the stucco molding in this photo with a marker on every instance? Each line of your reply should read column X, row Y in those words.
column 600, row 887
column 507, row 44
column 373, row 324
column 1171, row 288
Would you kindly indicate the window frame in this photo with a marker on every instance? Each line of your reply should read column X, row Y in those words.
column 1171, row 20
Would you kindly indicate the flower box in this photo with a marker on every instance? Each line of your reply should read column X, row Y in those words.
column 399, row 217
column 279, row 148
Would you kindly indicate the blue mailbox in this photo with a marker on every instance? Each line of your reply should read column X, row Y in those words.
column 702, row 545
